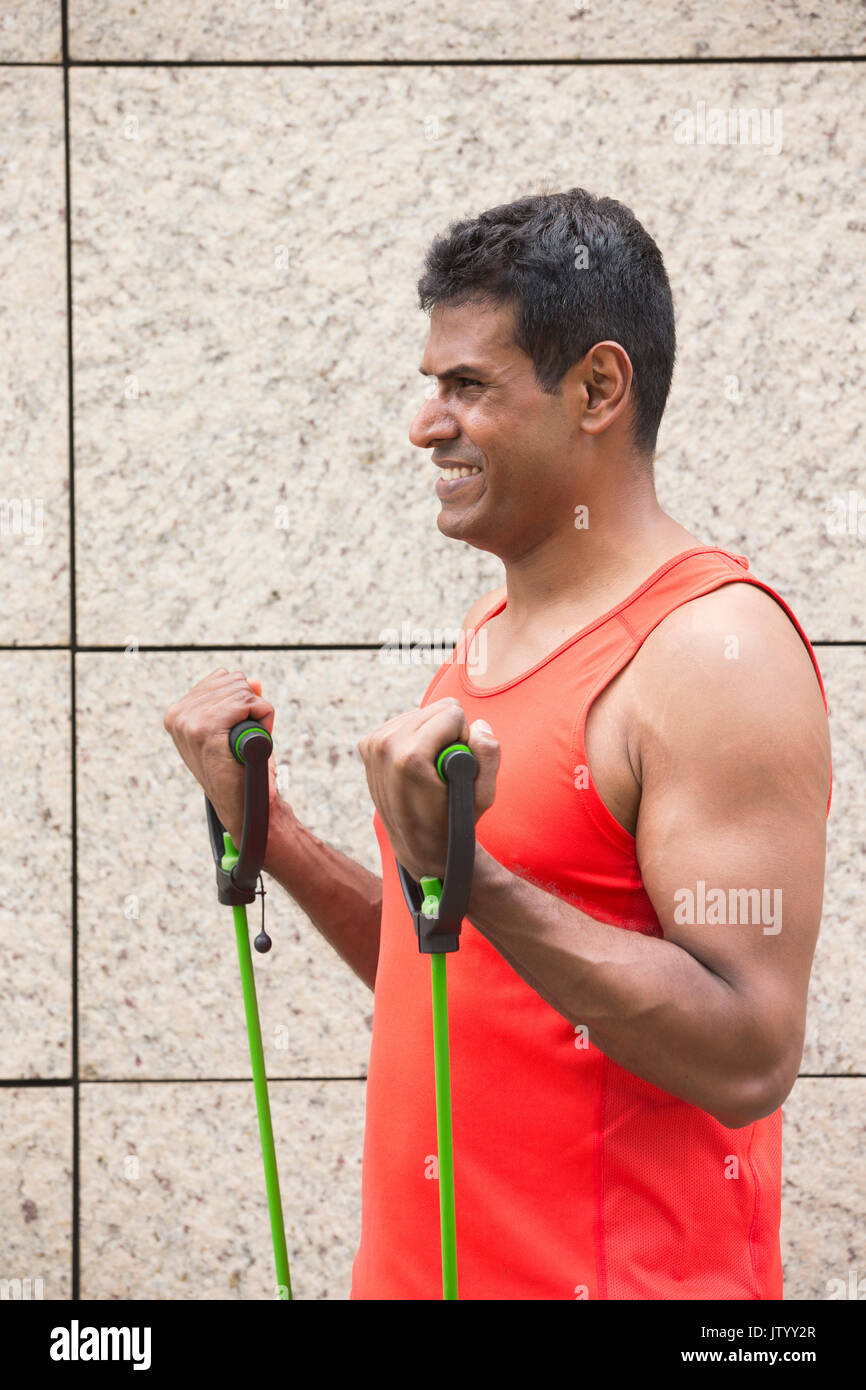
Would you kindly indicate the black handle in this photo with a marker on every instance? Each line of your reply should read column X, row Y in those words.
column 251, row 745
column 456, row 765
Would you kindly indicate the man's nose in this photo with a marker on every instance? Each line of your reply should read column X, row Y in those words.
column 432, row 422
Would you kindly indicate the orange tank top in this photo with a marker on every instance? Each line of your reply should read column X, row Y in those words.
column 574, row 1178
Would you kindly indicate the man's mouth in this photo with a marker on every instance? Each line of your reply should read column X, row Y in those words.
column 458, row 480
column 460, row 470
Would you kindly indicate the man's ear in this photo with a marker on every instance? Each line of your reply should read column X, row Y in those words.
column 606, row 375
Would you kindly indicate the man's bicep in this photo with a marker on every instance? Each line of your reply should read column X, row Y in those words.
column 731, row 839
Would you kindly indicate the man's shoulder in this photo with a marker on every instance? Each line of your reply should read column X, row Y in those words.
column 729, row 664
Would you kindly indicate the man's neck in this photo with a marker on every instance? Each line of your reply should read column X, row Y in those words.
column 593, row 567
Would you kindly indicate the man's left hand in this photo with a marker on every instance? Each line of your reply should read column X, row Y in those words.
column 410, row 796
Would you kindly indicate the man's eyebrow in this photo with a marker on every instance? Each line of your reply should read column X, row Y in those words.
column 462, row 369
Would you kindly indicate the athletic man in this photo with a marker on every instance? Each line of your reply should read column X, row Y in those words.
column 627, row 1007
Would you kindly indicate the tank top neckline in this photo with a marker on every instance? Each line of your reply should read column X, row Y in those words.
column 481, row 692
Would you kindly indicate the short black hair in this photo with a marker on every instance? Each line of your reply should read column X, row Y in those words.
column 528, row 253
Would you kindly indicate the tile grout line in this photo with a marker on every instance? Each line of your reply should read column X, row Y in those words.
column 75, row 1252
column 301, row 646
column 678, row 60
column 26, row 1082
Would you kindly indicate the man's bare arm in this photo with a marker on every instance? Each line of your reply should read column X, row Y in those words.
column 733, row 759
column 341, row 898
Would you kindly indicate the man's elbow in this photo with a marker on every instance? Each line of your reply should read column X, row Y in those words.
column 757, row 1097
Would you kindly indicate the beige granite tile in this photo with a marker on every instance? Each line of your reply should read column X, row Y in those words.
column 560, row 29
column 34, row 407
column 173, row 1202
column 835, row 1028
column 30, row 33
column 159, row 991
column 756, row 278
column 36, row 1187
column 823, row 1196
column 221, row 398
column 36, row 866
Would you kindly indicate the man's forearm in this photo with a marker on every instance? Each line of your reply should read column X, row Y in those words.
column 341, row 898
column 646, row 1003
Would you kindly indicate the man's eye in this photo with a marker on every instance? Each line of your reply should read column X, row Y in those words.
column 468, row 381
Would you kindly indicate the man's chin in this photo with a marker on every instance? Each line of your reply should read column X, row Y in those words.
column 454, row 520
column 464, row 524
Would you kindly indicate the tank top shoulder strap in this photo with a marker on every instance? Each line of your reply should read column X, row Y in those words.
column 462, row 646
column 688, row 575
column 691, row 575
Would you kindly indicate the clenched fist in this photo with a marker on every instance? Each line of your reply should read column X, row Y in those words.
column 200, row 722
column 409, row 794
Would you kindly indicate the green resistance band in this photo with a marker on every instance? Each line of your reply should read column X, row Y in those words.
column 437, row 908
column 260, row 1083
column 237, row 872
column 432, row 889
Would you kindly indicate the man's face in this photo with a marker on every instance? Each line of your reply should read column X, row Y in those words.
column 486, row 408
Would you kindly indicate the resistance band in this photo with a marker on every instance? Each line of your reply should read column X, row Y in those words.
column 437, row 908
column 237, row 873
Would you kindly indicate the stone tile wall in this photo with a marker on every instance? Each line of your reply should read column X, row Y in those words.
column 207, row 464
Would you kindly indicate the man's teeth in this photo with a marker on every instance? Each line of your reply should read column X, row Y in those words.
column 463, row 472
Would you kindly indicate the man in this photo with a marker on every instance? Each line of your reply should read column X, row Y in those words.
column 627, row 1006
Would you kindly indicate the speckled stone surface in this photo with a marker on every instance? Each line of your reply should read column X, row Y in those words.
column 159, row 993
column 242, row 461
column 173, row 1192
column 561, row 29
column 835, row 1026
column 245, row 247
column 824, row 1189
column 30, row 33
column 35, row 866
column 36, row 1188
column 34, row 404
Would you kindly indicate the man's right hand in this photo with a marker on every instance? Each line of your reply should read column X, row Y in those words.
column 200, row 722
